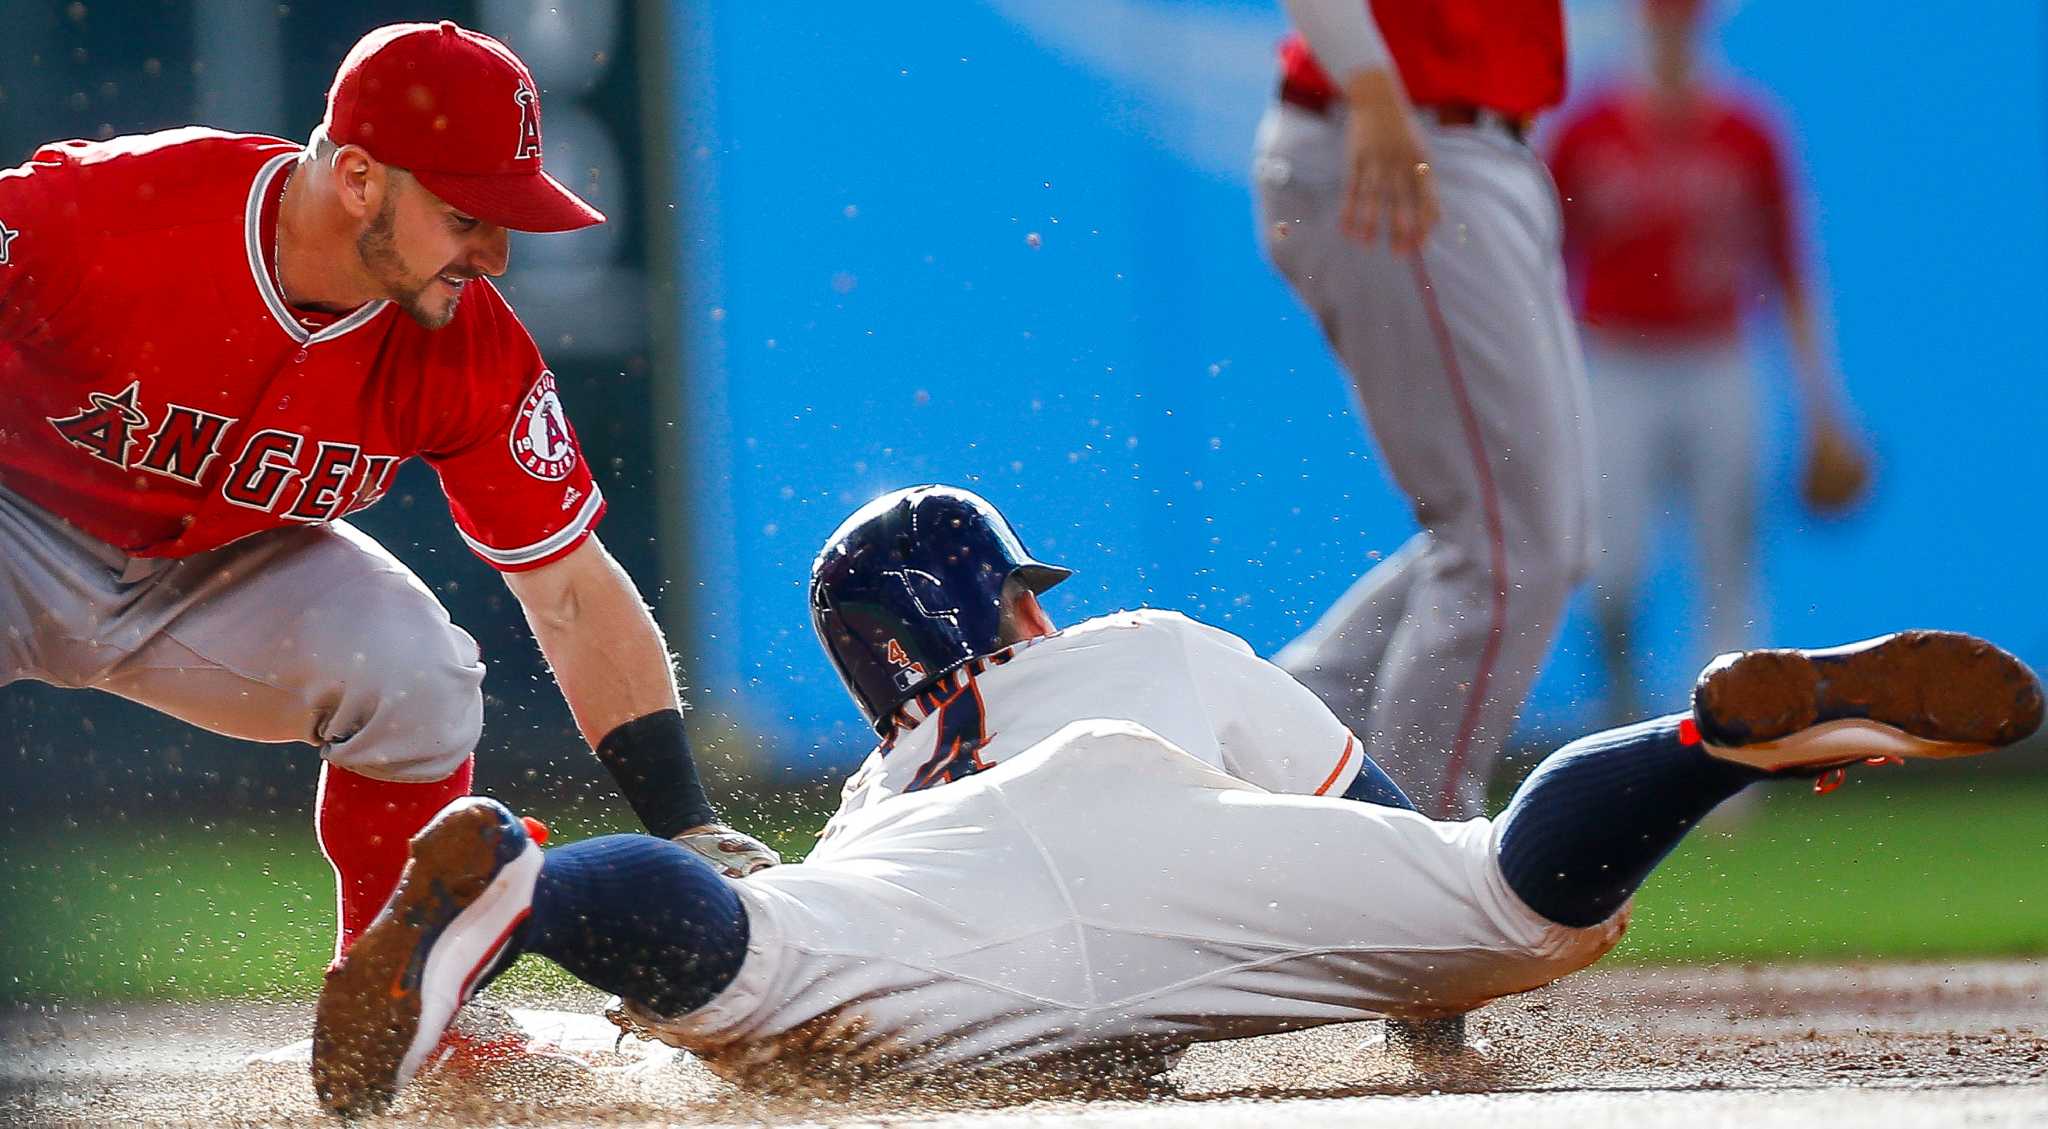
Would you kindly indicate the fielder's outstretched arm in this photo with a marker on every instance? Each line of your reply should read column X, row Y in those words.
column 613, row 666
column 599, row 637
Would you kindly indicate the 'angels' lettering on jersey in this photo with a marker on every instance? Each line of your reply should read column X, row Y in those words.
column 164, row 397
column 276, row 471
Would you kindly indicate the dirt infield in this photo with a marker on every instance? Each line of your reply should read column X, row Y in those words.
column 1897, row 1045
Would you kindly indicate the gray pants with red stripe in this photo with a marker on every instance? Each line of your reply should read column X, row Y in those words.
column 1467, row 368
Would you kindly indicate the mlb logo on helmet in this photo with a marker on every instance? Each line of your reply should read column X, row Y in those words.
column 908, row 673
column 461, row 113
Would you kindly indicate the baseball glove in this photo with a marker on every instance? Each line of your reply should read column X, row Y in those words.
column 1837, row 473
column 736, row 854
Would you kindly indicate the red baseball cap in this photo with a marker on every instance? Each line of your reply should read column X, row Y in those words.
column 461, row 113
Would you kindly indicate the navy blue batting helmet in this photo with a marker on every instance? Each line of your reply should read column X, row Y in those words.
column 910, row 588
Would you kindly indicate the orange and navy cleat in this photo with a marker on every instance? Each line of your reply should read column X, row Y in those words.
column 386, row 1004
column 1914, row 694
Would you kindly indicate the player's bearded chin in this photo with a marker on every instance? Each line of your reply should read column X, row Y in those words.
column 377, row 246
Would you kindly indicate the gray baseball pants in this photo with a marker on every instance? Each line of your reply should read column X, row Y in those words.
column 312, row 633
column 1466, row 365
column 1680, row 426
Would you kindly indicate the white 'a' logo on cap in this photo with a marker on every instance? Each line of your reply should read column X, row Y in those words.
column 529, row 123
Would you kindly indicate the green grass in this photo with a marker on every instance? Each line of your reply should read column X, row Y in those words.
column 1878, row 870
column 1887, row 867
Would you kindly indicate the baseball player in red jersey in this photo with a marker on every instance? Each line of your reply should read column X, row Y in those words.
column 1398, row 197
column 216, row 346
column 1676, row 201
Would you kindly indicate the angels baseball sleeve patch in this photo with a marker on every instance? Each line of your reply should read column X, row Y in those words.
column 540, row 433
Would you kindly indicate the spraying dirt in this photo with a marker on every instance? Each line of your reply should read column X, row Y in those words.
column 1898, row 1045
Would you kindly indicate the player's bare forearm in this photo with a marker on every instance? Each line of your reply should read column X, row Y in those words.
column 1820, row 393
column 612, row 664
column 1837, row 471
column 599, row 638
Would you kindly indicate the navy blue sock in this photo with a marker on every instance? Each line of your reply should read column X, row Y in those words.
column 1372, row 785
column 1598, row 815
column 639, row 917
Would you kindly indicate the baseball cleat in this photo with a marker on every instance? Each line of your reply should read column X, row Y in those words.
column 1933, row 694
column 483, row 1036
column 386, row 1003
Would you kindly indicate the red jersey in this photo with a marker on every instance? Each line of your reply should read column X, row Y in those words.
column 1505, row 55
column 162, row 397
column 1669, row 216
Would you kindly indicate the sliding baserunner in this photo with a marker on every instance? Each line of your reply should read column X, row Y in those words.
column 1130, row 835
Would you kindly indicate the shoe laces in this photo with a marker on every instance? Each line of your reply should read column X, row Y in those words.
column 1832, row 779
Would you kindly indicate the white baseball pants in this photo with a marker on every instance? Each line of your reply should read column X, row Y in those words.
column 1106, row 890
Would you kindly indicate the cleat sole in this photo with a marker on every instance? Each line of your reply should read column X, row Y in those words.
column 1929, row 694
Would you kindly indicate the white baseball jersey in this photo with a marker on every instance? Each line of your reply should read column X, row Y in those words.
column 1099, row 885
column 1198, row 686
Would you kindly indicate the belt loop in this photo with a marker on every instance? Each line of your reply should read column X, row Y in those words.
column 1513, row 127
column 1310, row 99
column 1467, row 115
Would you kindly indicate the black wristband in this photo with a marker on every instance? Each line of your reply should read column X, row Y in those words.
column 650, row 758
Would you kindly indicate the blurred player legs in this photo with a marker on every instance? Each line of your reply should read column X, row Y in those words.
column 1339, row 655
column 1679, row 218
column 1431, row 662
column 1676, row 424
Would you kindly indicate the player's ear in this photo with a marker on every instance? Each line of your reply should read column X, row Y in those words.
column 1023, row 616
column 359, row 180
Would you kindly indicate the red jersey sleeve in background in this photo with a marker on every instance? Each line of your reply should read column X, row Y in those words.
column 1780, row 234
column 518, row 486
column 41, row 267
column 1566, row 172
